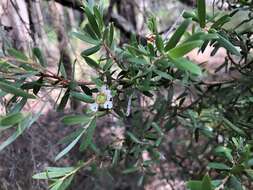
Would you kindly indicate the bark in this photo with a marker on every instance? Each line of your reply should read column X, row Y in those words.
column 58, row 20
column 37, row 23
column 15, row 18
column 70, row 19
column 57, row 17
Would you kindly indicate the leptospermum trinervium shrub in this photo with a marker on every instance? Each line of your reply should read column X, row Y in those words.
column 127, row 76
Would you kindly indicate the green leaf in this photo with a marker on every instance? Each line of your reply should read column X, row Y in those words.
column 37, row 85
column 18, row 107
column 82, row 97
column 17, row 54
column 90, row 51
column 66, row 183
column 163, row 74
column 138, row 61
column 175, row 38
column 85, row 37
column 91, row 62
column 187, row 65
column 194, row 185
column 99, row 17
column 111, row 34
column 92, row 21
column 56, row 185
column 206, row 183
column 184, row 48
column 88, row 135
column 40, row 56
column 14, row 90
column 228, row 45
column 63, row 170
column 48, row 175
column 230, row 125
column 201, row 4
column 53, row 172
column 218, row 166
column 64, row 101
column 159, row 43
column 134, row 138
column 225, row 151
column 235, row 184
column 115, row 157
column 202, row 36
column 76, row 119
column 11, row 119
column 24, row 124
column 131, row 170
column 70, row 137
column 221, row 21
column 69, row 147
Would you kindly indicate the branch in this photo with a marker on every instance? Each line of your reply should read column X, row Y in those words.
column 74, row 4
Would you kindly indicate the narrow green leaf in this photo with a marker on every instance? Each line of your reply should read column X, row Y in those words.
column 163, row 74
column 134, row 138
column 17, row 54
column 11, row 119
column 66, row 183
column 90, row 51
column 18, row 107
column 228, row 45
column 85, row 37
column 37, row 85
column 159, row 43
column 187, row 65
column 64, row 101
column 233, row 127
column 111, row 34
column 206, row 183
column 92, row 21
column 138, row 61
column 88, row 135
column 201, row 4
column 99, row 17
column 235, row 183
column 202, row 36
column 63, row 170
column 175, row 38
column 218, row 166
column 76, row 119
column 24, row 124
column 91, row 62
column 82, row 97
column 40, row 56
column 130, row 170
column 184, row 48
column 221, row 21
column 56, row 185
column 115, row 157
column 48, row 175
column 14, row 90
column 69, row 147
column 194, row 185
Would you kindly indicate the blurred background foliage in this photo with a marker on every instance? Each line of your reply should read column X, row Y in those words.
column 177, row 73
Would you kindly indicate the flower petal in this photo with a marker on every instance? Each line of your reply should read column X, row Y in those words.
column 104, row 88
column 94, row 107
column 108, row 105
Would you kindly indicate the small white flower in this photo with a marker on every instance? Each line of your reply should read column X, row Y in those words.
column 103, row 99
column 94, row 107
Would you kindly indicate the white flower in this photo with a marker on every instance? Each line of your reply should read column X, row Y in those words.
column 103, row 99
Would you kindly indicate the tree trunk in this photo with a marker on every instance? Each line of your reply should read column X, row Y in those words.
column 37, row 24
column 15, row 18
column 57, row 14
